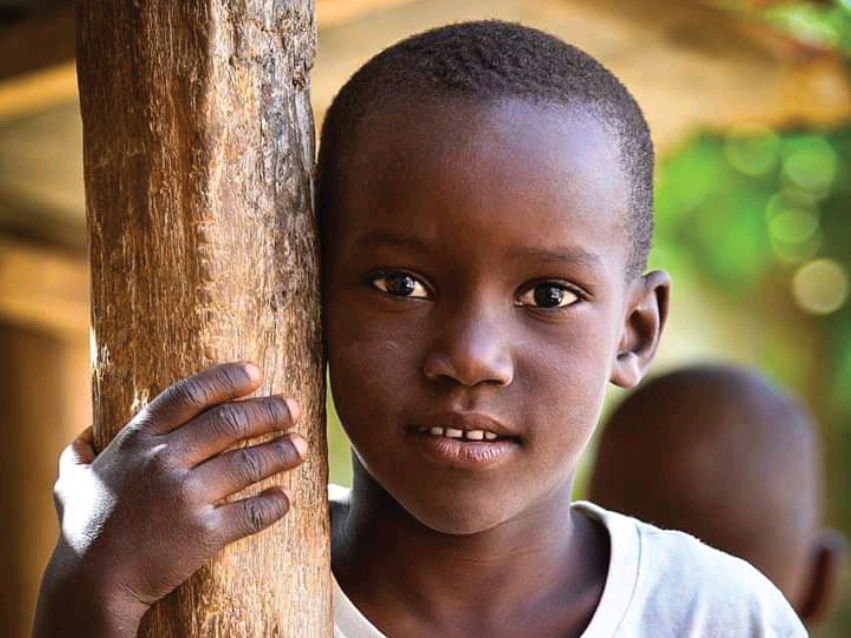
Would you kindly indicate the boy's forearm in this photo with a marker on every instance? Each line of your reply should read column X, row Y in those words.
column 71, row 606
column 60, row 620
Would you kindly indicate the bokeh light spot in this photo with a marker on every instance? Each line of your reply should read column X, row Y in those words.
column 789, row 199
column 752, row 149
column 820, row 287
column 799, row 251
column 810, row 163
column 794, row 226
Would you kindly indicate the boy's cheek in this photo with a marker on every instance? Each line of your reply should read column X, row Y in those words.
column 359, row 342
column 369, row 374
column 567, row 382
column 565, row 411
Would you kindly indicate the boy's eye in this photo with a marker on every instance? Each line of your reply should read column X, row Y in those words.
column 548, row 295
column 400, row 284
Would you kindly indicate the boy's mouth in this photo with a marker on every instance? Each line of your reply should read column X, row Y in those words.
column 464, row 435
column 465, row 426
column 465, row 440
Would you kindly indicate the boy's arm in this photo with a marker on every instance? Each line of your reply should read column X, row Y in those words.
column 141, row 517
column 75, row 606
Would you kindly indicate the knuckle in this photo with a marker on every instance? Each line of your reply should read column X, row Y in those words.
column 158, row 460
column 190, row 489
column 141, row 418
column 192, row 392
column 251, row 465
column 256, row 515
column 227, row 378
column 208, row 529
column 131, row 436
column 232, row 420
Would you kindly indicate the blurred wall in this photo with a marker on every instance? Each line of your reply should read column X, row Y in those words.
column 44, row 394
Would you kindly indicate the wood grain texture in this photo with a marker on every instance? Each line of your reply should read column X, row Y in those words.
column 198, row 155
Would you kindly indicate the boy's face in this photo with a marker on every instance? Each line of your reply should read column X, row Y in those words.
column 476, row 281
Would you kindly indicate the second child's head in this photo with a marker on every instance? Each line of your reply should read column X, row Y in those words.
column 485, row 196
column 721, row 453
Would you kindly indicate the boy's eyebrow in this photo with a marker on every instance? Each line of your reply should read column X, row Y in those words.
column 384, row 237
column 559, row 254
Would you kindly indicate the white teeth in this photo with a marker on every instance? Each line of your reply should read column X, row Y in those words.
column 453, row 433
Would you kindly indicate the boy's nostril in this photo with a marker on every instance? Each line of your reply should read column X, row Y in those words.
column 469, row 371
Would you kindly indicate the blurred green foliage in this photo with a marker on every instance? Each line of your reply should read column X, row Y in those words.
column 825, row 24
column 752, row 211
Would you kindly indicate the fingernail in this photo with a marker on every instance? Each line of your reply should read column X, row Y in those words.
column 294, row 408
column 300, row 445
column 254, row 373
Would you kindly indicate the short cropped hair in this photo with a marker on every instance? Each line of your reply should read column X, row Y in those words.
column 491, row 60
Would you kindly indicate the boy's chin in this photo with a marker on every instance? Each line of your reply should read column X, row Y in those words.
column 464, row 525
column 458, row 507
column 452, row 514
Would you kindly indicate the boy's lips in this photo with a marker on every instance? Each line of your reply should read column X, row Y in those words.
column 464, row 440
column 466, row 422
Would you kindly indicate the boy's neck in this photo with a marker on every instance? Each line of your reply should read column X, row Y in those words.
column 547, row 563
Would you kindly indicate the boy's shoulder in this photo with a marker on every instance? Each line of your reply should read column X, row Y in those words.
column 665, row 583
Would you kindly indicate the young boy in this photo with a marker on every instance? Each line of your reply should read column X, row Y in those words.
column 717, row 451
column 485, row 197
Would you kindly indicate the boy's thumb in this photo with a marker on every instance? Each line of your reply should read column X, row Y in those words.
column 80, row 452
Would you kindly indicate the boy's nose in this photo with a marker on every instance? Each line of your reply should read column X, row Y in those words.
column 470, row 355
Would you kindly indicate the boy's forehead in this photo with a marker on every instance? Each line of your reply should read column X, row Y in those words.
column 552, row 156
column 526, row 135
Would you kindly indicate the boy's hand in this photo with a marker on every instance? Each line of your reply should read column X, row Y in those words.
column 143, row 515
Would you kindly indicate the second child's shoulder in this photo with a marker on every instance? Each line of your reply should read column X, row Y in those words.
column 680, row 586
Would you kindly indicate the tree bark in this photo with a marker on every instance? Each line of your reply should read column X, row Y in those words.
column 198, row 153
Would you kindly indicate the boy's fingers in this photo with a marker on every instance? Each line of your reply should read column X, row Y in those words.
column 88, row 436
column 242, row 518
column 187, row 398
column 241, row 468
column 80, row 451
column 220, row 428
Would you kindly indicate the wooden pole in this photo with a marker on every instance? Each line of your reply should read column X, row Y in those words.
column 198, row 154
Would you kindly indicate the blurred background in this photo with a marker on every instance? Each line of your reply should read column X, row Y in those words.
column 750, row 105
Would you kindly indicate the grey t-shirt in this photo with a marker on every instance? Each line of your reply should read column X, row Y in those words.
column 661, row 584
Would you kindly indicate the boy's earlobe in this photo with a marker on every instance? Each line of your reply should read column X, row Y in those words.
column 647, row 311
column 827, row 562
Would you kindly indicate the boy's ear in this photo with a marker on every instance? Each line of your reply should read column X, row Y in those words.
column 646, row 312
column 827, row 560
